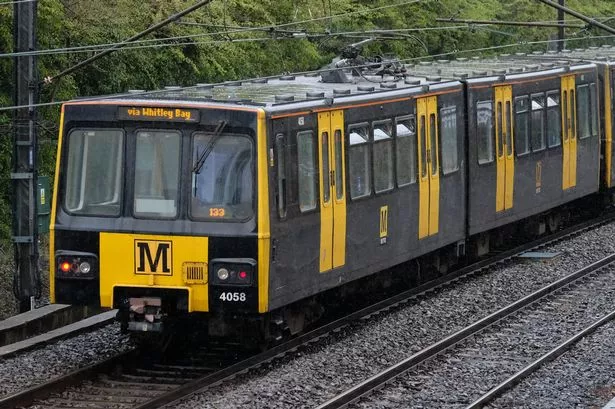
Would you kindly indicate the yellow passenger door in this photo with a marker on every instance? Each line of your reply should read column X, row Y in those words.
column 569, row 132
column 332, row 190
column 504, row 142
column 429, row 166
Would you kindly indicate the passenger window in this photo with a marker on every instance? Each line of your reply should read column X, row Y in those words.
column 383, row 156
column 583, row 109
column 405, row 151
column 326, row 184
column 484, row 131
column 423, row 137
column 522, row 125
column 565, row 111
column 573, row 116
column 339, row 167
column 448, row 138
column 593, row 108
column 306, row 161
column 538, row 122
column 554, row 120
column 499, row 120
column 509, row 131
column 433, row 144
column 281, row 170
column 358, row 161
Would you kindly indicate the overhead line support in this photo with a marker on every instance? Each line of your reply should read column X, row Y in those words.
column 588, row 20
column 118, row 46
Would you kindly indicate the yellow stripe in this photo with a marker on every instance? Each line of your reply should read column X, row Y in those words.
column 608, row 130
column 52, row 241
column 263, row 214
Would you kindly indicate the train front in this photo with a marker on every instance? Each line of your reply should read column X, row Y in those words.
column 158, row 212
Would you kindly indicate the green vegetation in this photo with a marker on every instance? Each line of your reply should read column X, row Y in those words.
column 217, row 50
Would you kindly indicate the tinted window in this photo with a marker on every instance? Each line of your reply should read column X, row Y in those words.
column 538, row 122
column 583, row 110
column 593, row 108
column 339, row 167
column 554, row 120
column 223, row 188
column 306, row 163
column 94, row 172
column 157, row 174
column 281, row 170
column 358, row 161
column 522, row 125
column 383, row 156
column 448, row 138
column 406, row 151
column 484, row 131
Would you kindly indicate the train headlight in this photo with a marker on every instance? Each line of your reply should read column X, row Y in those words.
column 85, row 267
column 222, row 274
column 233, row 271
column 73, row 265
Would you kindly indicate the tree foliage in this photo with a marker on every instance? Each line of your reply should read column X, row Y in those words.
column 208, row 46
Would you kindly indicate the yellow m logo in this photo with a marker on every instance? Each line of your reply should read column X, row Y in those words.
column 162, row 261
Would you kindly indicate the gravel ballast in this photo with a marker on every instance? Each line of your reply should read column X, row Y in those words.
column 321, row 371
column 583, row 377
column 41, row 365
column 318, row 372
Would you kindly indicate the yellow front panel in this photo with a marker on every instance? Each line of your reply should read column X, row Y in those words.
column 500, row 190
column 326, row 205
column 422, row 118
column 434, row 175
column 608, row 130
column 509, row 151
column 572, row 178
column 139, row 260
column 339, row 192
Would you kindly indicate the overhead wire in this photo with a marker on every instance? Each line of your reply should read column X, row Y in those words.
column 7, row 3
column 95, row 47
column 411, row 59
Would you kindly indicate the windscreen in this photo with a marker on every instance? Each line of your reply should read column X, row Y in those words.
column 223, row 177
column 94, row 172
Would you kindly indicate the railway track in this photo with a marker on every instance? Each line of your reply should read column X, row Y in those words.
column 489, row 356
column 128, row 381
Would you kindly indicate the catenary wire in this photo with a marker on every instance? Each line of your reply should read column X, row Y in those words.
column 432, row 56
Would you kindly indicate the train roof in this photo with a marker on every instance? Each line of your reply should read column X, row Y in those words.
column 333, row 86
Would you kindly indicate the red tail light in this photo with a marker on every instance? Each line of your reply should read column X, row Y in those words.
column 65, row 266
column 242, row 275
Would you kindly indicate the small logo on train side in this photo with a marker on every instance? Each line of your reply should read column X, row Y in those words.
column 153, row 257
column 384, row 224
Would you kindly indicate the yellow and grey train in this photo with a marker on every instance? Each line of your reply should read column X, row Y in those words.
column 239, row 204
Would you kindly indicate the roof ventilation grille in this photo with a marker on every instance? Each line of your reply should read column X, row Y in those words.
column 284, row 98
column 388, row 85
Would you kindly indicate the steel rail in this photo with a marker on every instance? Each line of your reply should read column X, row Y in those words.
column 534, row 366
column 200, row 384
column 372, row 383
column 39, row 392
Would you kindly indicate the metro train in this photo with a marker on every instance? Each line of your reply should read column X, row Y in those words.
column 239, row 205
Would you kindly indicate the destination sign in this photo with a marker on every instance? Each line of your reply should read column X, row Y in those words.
column 159, row 114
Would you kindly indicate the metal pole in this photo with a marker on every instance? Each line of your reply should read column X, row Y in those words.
column 26, row 283
column 580, row 16
column 560, row 30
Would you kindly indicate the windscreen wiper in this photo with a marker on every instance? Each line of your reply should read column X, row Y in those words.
column 210, row 146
